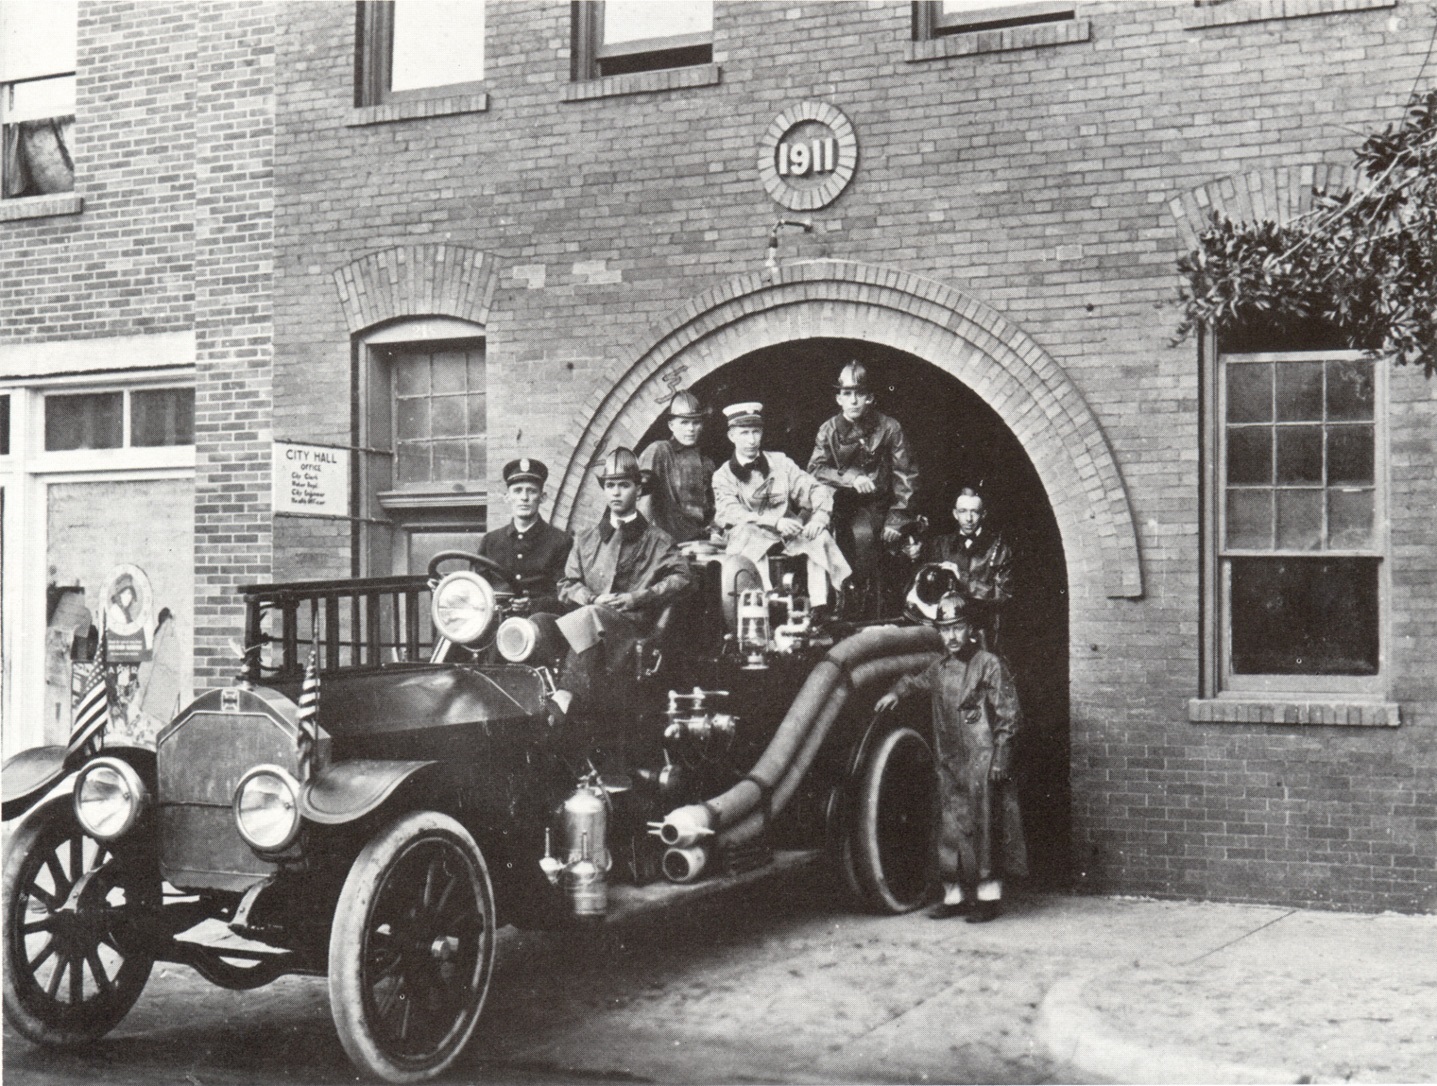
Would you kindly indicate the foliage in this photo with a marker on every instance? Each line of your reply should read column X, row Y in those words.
column 1363, row 261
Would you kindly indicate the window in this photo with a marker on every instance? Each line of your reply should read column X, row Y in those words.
column 422, row 434
column 618, row 37
column 139, row 418
column 416, row 49
column 935, row 18
column 1299, row 501
column 4, row 425
column 439, row 417
column 37, row 98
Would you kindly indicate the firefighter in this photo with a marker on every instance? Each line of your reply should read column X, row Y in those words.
column 768, row 503
column 976, row 720
column 981, row 558
column 620, row 575
column 863, row 455
column 529, row 549
column 680, row 497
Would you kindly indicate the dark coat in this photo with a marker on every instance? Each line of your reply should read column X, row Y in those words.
column 873, row 446
column 643, row 561
column 533, row 560
column 681, row 498
column 976, row 721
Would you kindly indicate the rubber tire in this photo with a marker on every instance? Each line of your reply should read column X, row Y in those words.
column 28, row 1007
column 365, row 886
column 893, row 822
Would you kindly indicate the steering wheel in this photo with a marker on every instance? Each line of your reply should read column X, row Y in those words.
column 477, row 562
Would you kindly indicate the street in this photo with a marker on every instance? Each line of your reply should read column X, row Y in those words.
column 773, row 982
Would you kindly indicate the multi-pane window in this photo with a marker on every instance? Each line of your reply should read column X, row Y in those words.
column 934, row 18
column 37, row 97
column 411, row 49
column 137, row 418
column 1301, row 501
column 615, row 37
column 439, row 417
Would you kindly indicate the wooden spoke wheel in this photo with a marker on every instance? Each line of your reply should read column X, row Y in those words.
column 893, row 822
column 412, row 948
column 72, row 974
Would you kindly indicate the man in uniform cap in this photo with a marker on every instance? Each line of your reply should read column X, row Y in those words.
column 767, row 502
column 864, row 456
column 680, row 497
column 620, row 575
column 976, row 721
column 531, row 551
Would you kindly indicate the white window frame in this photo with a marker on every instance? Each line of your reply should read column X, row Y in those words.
column 589, row 50
column 930, row 20
column 374, row 61
column 8, row 110
column 1219, row 679
column 26, row 476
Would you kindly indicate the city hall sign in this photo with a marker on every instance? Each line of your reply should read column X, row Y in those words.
column 807, row 156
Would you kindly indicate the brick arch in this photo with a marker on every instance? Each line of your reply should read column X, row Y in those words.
column 414, row 281
column 955, row 332
column 1272, row 194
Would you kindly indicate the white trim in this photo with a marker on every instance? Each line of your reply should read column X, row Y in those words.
column 161, row 350
column 424, row 328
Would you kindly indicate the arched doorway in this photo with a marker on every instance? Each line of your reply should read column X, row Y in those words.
column 966, row 362
column 957, row 439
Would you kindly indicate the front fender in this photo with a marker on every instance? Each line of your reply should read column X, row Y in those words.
column 352, row 789
column 28, row 777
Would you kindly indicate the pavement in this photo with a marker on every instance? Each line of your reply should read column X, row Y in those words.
column 779, row 980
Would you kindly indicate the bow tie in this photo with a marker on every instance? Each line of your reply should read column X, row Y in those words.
column 743, row 472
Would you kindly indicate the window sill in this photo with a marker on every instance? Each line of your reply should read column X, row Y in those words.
column 1233, row 12
column 700, row 75
column 419, row 109
column 41, row 207
column 1067, row 32
column 1329, row 712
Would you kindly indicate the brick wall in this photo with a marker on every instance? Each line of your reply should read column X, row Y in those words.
column 126, row 264
column 234, row 284
column 1035, row 179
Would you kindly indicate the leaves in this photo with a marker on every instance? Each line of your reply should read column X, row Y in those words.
column 1364, row 261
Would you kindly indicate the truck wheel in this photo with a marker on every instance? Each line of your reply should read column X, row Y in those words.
column 412, row 948
column 893, row 822
column 70, row 977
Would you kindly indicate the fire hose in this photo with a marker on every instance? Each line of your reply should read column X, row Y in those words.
column 878, row 652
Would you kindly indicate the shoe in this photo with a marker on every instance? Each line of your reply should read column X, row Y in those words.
column 984, row 911
column 944, row 911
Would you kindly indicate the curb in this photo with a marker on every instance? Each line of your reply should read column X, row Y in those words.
column 1077, row 1036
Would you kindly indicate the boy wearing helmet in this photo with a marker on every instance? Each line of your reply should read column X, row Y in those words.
column 619, row 575
column 680, row 498
column 865, row 457
column 976, row 721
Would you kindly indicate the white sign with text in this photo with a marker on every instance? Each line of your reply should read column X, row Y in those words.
column 311, row 480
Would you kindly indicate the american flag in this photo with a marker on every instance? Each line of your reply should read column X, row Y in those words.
column 308, row 711
column 92, row 708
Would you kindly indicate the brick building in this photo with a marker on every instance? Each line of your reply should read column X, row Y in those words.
column 435, row 248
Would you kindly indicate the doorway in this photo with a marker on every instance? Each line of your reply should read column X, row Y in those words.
column 957, row 439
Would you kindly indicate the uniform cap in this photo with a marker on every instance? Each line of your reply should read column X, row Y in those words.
column 685, row 405
column 525, row 470
column 853, row 376
column 620, row 463
column 744, row 414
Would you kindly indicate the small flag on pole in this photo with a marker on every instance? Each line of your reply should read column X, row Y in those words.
column 307, row 719
column 92, row 708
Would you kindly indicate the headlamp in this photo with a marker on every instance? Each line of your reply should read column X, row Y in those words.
column 517, row 639
column 266, row 806
column 463, row 607
column 109, row 798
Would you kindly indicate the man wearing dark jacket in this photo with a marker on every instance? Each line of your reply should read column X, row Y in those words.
column 620, row 575
column 976, row 721
column 531, row 551
column 863, row 455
